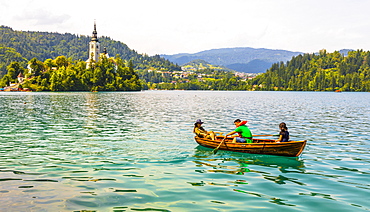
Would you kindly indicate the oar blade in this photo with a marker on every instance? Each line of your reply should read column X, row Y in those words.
column 215, row 150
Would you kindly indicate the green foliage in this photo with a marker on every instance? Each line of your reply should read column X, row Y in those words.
column 63, row 75
column 318, row 72
column 21, row 46
column 7, row 56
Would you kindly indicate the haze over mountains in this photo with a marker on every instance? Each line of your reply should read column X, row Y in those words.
column 241, row 59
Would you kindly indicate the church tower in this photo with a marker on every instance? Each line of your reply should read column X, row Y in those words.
column 94, row 47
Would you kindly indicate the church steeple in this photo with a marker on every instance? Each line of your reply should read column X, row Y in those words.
column 94, row 34
column 94, row 48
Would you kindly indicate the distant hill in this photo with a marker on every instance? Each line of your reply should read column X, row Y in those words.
column 344, row 52
column 254, row 66
column 243, row 59
column 196, row 65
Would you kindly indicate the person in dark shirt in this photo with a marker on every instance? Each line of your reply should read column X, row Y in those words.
column 284, row 134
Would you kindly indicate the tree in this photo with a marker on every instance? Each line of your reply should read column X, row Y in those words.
column 14, row 69
column 61, row 61
column 49, row 64
column 36, row 67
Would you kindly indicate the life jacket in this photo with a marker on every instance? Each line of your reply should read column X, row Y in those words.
column 242, row 123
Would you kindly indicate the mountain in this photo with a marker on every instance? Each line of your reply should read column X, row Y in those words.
column 242, row 59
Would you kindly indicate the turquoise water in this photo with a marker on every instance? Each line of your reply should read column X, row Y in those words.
column 136, row 152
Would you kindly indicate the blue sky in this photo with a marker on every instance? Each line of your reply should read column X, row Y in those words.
column 178, row 26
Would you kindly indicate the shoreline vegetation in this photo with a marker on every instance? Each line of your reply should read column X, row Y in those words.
column 309, row 72
column 22, row 69
column 61, row 74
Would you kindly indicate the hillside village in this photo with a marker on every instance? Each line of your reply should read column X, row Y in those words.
column 185, row 73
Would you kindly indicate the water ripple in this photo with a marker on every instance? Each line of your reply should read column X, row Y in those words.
column 136, row 152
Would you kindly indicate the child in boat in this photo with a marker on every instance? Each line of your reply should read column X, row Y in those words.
column 284, row 134
column 201, row 132
column 245, row 135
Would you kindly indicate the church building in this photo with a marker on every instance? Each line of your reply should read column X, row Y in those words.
column 94, row 49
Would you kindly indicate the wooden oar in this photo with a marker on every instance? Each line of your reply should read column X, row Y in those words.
column 215, row 150
column 219, row 133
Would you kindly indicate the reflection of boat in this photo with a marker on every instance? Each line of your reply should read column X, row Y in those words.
column 283, row 163
column 259, row 146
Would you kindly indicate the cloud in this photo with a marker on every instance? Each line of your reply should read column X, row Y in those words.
column 42, row 17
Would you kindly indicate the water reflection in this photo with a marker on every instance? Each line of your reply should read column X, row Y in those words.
column 236, row 163
column 282, row 163
column 244, row 172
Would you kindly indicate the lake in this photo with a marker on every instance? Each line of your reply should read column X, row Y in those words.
column 122, row 151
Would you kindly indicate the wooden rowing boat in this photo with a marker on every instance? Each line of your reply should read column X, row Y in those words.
column 259, row 146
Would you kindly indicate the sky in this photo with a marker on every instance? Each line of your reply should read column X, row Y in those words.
column 179, row 26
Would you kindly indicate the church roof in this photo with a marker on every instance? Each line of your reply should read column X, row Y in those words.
column 94, row 34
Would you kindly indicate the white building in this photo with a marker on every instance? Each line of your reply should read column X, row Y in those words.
column 94, row 48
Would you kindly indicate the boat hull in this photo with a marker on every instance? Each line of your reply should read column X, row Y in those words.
column 259, row 146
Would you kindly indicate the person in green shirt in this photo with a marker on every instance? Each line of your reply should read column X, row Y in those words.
column 245, row 135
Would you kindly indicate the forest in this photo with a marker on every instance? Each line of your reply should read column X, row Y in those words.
column 322, row 71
